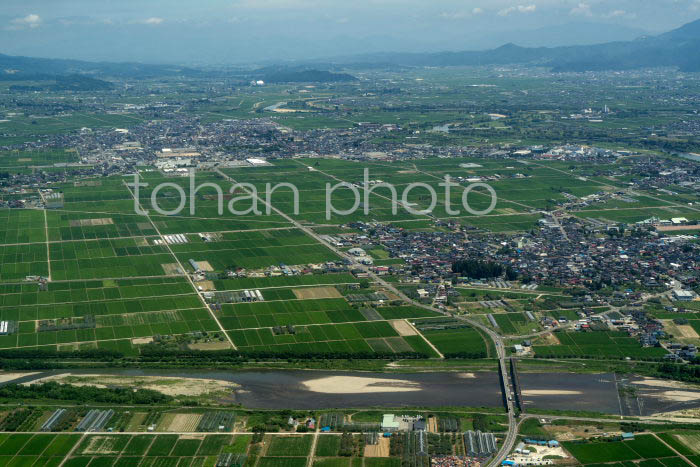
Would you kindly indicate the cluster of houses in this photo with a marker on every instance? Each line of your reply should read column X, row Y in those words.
column 392, row 423
column 566, row 253
column 290, row 270
column 680, row 352
column 309, row 423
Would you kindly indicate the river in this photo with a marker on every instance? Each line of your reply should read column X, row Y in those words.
column 309, row 389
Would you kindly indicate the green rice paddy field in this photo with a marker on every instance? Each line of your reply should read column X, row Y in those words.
column 596, row 344
column 645, row 450
column 103, row 449
column 26, row 449
column 113, row 282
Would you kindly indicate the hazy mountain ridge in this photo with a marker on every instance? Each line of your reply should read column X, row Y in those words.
column 74, row 82
column 18, row 67
column 306, row 76
column 677, row 48
column 680, row 48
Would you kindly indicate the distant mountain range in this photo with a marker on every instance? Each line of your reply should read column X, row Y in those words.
column 567, row 34
column 678, row 48
column 14, row 68
column 74, row 82
column 299, row 74
column 65, row 74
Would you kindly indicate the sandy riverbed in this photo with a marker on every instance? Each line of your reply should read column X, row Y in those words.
column 550, row 392
column 358, row 385
column 171, row 386
column 664, row 383
column 7, row 377
column 678, row 396
column 466, row 375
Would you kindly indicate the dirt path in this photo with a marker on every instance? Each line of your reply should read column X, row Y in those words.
column 72, row 450
column 312, row 452
column 48, row 252
column 189, row 278
column 673, row 449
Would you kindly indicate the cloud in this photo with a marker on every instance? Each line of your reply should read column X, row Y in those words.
column 453, row 15
column 519, row 9
column 619, row 14
column 31, row 21
column 462, row 14
column 277, row 4
column 70, row 21
column 583, row 9
column 615, row 13
column 153, row 20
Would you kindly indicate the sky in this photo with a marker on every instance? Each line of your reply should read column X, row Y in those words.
column 217, row 32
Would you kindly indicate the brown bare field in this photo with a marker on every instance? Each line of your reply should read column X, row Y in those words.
column 432, row 425
column 91, row 222
column 568, row 433
column 210, row 346
column 308, row 293
column 391, row 295
column 403, row 328
column 205, row 285
column 171, row 269
column 550, row 339
column 679, row 330
column 141, row 340
column 674, row 228
column 180, row 422
column 381, row 449
column 205, row 266
column 687, row 330
column 100, row 445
